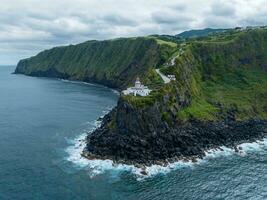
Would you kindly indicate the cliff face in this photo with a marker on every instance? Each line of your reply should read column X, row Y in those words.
column 143, row 137
column 114, row 63
column 229, row 73
column 245, row 50
column 219, row 98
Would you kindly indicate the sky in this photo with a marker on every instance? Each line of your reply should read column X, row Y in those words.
column 30, row 26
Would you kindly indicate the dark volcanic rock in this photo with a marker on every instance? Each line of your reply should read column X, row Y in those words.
column 132, row 135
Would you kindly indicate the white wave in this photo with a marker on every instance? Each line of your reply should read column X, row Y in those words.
column 241, row 149
column 106, row 111
column 92, row 84
column 220, row 152
column 94, row 167
column 252, row 147
column 115, row 92
column 159, row 169
column 76, row 82
column 97, row 166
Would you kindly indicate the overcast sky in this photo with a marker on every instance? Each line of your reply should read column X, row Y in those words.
column 29, row 26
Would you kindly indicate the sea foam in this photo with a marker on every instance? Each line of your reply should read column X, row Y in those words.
column 97, row 166
column 76, row 82
column 116, row 92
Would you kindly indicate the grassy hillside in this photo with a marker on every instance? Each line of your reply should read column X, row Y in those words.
column 114, row 63
column 232, row 74
column 221, row 75
column 217, row 76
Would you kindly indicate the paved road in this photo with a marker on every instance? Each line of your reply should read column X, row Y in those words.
column 165, row 78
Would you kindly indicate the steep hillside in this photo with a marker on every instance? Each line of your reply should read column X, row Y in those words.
column 220, row 89
column 231, row 73
column 219, row 96
column 114, row 63
column 219, row 74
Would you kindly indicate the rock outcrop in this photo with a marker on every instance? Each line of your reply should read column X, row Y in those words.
column 142, row 137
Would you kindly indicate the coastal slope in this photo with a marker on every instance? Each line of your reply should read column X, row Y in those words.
column 219, row 96
column 113, row 63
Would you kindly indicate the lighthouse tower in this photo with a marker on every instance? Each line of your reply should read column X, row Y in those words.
column 137, row 83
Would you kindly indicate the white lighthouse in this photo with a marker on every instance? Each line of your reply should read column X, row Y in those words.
column 137, row 90
column 137, row 83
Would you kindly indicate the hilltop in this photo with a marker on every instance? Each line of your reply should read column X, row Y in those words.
column 199, row 33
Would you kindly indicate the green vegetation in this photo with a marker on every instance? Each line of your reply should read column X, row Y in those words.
column 140, row 102
column 218, row 75
column 152, row 79
column 199, row 109
column 243, row 89
column 162, row 42
column 215, row 73
column 233, row 74
column 114, row 63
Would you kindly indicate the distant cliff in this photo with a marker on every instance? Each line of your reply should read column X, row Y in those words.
column 199, row 33
column 114, row 63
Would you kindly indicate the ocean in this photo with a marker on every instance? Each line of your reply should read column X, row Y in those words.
column 43, row 123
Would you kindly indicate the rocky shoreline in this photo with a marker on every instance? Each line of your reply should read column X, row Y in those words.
column 186, row 142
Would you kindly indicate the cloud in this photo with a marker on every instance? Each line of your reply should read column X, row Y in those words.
column 223, row 8
column 170, row 17
column 29, row 26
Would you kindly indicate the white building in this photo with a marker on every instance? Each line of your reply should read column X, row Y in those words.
column 171, row 77
column 137, row 90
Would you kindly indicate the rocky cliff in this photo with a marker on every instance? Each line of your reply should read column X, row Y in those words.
column 144, row 138
column 219, row 96
column 114, row 63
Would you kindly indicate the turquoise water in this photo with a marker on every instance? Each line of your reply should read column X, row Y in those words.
column 41, row 121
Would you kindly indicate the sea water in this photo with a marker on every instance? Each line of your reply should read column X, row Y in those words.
column 43, row 123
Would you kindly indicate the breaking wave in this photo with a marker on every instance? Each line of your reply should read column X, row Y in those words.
column 92, row 84
column 76, row 82
column 96, row 167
